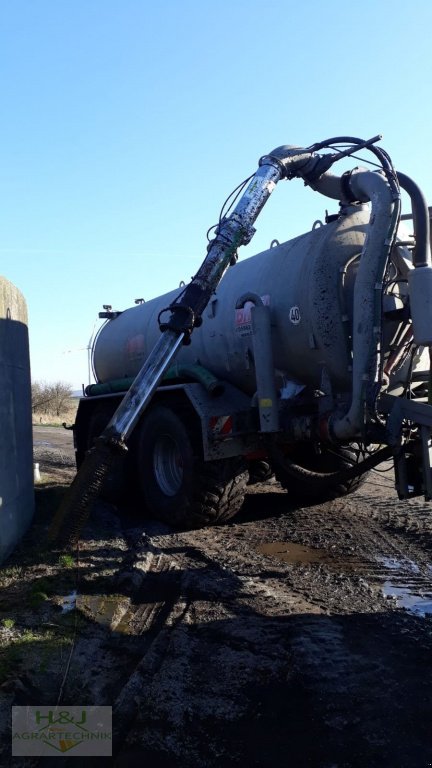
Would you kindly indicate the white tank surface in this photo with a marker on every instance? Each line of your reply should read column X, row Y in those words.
column 16, row 454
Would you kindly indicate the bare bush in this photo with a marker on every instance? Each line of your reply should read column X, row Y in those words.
column 51, row 398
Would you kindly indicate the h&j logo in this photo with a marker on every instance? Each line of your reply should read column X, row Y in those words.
column 77, row 730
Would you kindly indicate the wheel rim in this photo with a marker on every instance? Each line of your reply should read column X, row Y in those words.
column 168, row 465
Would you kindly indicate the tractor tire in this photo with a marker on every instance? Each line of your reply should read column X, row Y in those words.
column 311, row 476
column 177, row 486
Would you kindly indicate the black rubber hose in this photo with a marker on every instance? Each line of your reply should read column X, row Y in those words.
column 328, row 478
column 380, row 153
column 420, row 212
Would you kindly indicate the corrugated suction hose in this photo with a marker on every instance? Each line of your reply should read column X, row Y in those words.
column 75, row 508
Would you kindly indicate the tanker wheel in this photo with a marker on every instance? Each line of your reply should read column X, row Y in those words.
column 307, row 472
column 177, row 486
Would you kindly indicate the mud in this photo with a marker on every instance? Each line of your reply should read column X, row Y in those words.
column 294, row 636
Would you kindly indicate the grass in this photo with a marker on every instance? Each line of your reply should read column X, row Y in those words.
column 52, row 420
column 66, row 561
column 13, row 573
column 32, row 651
column 8, row 623
column 36, row 599
column 35, row 636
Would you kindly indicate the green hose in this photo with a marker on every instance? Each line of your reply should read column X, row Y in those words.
column 198, row 373
column 211, row 384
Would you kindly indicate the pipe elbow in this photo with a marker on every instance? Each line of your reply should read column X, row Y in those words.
column 331, row 186
column 249, row 297
column 370, row 186
column 290, row 157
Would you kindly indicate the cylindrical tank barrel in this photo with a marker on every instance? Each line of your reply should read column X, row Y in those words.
column 16, row 454
column 304, row 283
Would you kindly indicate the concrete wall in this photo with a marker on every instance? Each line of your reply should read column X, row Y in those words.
column 16, row 446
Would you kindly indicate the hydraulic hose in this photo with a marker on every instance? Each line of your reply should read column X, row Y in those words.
column 325, row 479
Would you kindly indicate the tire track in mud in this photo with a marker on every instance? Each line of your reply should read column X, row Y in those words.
column 238, row 653
column 267, row 646
column 393, row 538
column 367, row 559
column 383, row 542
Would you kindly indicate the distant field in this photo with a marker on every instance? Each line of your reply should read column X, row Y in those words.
column 51, row 419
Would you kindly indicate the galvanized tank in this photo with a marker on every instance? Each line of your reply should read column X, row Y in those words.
column 308, row 284
column 16, row 457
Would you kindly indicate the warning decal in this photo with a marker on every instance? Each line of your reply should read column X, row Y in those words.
column 242, row 321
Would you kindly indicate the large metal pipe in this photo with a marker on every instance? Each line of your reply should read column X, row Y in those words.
column 367, row 299
column 364, row 186
column 264, row 363
column 421, row 255
column 331, row 186
column 420, row 278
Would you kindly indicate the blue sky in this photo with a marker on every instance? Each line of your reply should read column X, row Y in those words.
column 124, row 126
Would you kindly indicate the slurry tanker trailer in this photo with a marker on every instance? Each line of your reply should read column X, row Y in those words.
column 310, row 360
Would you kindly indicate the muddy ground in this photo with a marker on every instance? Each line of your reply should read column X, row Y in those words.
column 293, row 636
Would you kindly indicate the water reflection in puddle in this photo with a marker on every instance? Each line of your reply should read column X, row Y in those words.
column 69, row 602
column 407, row 586
column 395, row 564
column 103, row 608
column 399, row 578
column 420, row 604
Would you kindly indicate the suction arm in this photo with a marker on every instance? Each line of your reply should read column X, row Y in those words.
column 185, row 312
column 237, row 229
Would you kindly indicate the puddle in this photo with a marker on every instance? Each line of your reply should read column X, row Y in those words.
column 106, row 609
column 418, row 603
column 398, row 578
column 411, row 590
column 69, row 602
column 393, row 564
column 293, row 553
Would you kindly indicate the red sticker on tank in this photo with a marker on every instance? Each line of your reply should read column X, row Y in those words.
column 243, row 315
column 135, row 347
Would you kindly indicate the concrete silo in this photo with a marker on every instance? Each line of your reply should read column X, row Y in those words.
column 16, row 457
